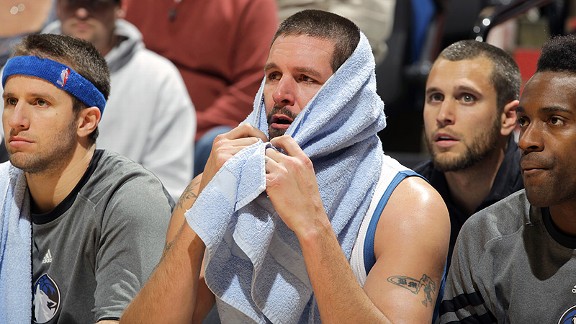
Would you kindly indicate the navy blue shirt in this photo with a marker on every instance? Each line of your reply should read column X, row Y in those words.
column 508, row 180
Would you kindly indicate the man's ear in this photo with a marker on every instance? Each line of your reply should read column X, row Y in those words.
column 88, row 120
column 508, row 118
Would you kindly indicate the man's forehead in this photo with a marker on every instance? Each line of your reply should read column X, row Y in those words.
column 301, row 49
column 29, row 80
column 461, row 75
column 32, row 86
column 322, row 43
column 550, row 89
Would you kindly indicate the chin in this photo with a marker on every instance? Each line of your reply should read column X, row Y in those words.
column 447, row 164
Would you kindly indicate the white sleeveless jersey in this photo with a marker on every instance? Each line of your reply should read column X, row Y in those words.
column 362, row 258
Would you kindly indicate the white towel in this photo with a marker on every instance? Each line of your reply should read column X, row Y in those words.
column 254, row 264
column 15, row 247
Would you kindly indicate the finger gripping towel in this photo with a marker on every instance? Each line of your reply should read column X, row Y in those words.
column 253, row 262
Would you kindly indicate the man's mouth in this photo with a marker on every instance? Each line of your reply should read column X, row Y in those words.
column 444, row 137
column 533, row 164
column 280, row 121
column 280, row 118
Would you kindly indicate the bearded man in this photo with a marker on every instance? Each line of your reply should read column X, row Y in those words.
column 469, row 119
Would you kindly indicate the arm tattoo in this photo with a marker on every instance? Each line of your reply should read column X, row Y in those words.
column 414, row 285
column 168, row 246
column 188, row 193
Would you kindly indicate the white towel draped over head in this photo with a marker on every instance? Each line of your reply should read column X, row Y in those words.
column 15, row 247
column 254, row 264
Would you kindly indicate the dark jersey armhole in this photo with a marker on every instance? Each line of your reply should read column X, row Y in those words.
column 369, row 256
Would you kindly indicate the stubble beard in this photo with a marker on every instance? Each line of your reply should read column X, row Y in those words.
column 273, row 132
column 480, row 147
column 52, row 159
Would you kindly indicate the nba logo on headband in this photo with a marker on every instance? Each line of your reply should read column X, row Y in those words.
column 59, row 75
column 63, row 77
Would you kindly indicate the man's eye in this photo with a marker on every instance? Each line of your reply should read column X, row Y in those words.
column 436, row 97
column 522, row 122
column 556, row 121
column 41, row 103
column 11, row 101
column 273, row 76
column 306, row 78
column 467, row 98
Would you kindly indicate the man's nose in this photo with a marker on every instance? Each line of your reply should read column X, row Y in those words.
column 530, row 139
column 446, row 113
column 17, row 118
column 284, row 94
column 81, row 12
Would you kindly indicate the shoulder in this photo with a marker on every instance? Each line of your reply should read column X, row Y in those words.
column 416, row 194
column 415, row 213
column 115, row 163
column 500, row 219
column 123, row 189
column 154, row 65
column 412, row 196
column 115, row 172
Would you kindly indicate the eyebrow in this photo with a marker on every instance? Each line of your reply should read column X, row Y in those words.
column 301, row 69
column 31, row 95
column 551, row 109
column 6, row 94
column 459, row 89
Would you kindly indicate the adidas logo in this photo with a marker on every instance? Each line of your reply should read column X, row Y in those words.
column 47, row 257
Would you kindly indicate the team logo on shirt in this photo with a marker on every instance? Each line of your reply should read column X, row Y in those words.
column 569, row 317
column 46, row 299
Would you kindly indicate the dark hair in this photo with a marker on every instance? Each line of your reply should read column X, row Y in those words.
column 78, row 54
column 325, row 25
column 558, row 55
column 505, row 72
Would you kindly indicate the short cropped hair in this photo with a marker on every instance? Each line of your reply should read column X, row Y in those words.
column 78, row 54
column 505, row 72
column 324, row 25
column 558, row 55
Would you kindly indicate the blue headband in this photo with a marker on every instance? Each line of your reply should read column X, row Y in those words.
column 58, row 74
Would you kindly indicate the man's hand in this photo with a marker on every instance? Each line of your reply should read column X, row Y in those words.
column 227, row 145
column 292, row 187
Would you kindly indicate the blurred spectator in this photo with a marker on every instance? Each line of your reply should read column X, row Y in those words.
column 219, row 46
column 20, row 18
column 402, row 74
column 149, row 117
column 374, row 17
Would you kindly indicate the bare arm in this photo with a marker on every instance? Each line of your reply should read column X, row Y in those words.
column 411, row 247
column 411, row 242
column 176, row 291
column 170, row 295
